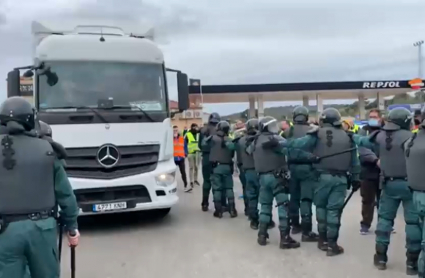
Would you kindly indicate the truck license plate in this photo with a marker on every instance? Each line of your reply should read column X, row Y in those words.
column 110, row 206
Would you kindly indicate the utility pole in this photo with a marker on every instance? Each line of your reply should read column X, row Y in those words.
column 419, row 45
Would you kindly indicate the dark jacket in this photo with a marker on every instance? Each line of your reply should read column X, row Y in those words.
column 368, row 159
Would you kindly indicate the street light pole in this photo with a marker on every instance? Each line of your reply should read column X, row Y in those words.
column 419, row 45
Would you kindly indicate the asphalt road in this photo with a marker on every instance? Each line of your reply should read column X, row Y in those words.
column 191, row 243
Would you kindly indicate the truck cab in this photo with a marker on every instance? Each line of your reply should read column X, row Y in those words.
column 103, row 90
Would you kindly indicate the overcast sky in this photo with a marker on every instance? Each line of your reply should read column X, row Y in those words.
column 246, row 41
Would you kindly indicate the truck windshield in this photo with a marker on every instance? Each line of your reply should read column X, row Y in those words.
column 85, row 83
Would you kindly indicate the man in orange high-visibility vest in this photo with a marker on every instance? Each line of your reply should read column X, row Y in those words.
column 180, row 153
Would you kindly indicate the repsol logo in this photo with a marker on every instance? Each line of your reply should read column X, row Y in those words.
column 381, row 84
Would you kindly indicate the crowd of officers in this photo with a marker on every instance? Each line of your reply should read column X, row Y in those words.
column 311, row 165
column 316, row 164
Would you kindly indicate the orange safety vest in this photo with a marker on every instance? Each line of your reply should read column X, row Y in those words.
column 179, row 147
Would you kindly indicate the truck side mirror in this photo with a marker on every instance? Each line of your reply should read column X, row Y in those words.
column 13, row 83
column 183, row 91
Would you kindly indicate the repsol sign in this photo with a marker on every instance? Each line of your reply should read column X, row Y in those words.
column 381, row 84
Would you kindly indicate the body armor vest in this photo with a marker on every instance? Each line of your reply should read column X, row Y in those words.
column 27, row 175
column 299, row 130
column 333, row 140
column 218, row 153
column 207, row 131
column 267, row 160
column 391, row 153
column 415, row 159
column 246, row 159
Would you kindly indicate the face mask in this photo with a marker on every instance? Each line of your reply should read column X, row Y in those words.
column 373, row 122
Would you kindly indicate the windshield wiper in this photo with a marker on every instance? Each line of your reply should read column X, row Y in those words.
column 146, row 114
column 82, row 107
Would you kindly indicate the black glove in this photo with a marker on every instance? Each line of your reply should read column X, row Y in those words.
column 272, row 143
column 355, row 185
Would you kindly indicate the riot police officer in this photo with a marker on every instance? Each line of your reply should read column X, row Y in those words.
column 336, row 165
column 251, row 176
column 414, row 150
column 221, row 161
column 302, row 180
column 29, row 194
column 388, row 143
column 207, row 131
column 273, row 174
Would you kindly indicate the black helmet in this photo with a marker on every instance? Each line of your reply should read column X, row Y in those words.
column 214, row 118
column 269, row 124
column 17, row 109
column 401, row 117
column 331, row 116
column 252, row 125
column 223, row 126
column 300, row 114
column 45, row 129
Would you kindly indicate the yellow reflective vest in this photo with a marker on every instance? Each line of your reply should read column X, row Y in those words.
column 415, row 130
column 192, row 142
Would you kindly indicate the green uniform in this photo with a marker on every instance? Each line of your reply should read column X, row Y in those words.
column 301, row 185
column 206, row 168
column 395, row 190
column 272, row 186
column 330, row 190
column 34, row 243
column 221, row 171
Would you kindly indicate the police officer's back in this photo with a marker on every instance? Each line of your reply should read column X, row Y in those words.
column 33, row 183
column 415, row 159
column 206, row 131
column 388, row 144
column 221, row 161
column 272, row 169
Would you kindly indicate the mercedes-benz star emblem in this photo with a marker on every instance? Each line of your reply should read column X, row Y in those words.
column 108, row 156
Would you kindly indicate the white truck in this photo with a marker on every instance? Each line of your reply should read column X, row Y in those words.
column 103, row 90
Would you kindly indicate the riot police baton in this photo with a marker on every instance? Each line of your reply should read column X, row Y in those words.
column 60, row 240
column 337, row 153
column 347, row 200
column 72, row 234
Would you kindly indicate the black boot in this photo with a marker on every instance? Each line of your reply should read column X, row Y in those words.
column 412, row 263
column 380, row 258
column 262, row 234
column 295, row 225
column 232, row 210
column 204, row 204
column 218, row 210
column 308, row 235
column 287, row 242
column 334, row 249
column 322, row 243
column 254, row 224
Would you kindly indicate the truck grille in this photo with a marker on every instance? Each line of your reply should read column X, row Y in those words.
column 83, row 162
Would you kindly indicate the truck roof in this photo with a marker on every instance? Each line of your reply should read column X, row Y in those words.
column 91, row 48
column 69, row 41
column 106, row 27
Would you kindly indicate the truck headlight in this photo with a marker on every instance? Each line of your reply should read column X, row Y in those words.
column 166, row 179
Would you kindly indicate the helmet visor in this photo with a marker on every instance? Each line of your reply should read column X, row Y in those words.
column 272, row 126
